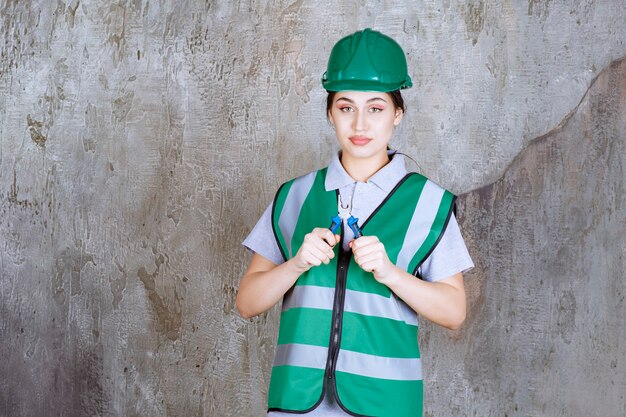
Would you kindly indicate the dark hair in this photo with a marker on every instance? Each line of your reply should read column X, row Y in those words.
column 396, row 98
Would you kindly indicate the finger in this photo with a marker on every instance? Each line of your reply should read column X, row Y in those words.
column 326, row 235
column 364, row 241
column 329, row 241
column 366, row 267
column 367, row 250
column 326, row 253
column 370, row 266
column 322, row 248
column 316, row 239
column 367, row 263
column 375, row 257
column 312, row 260
column 318, row 256
column 375, row 247
column 361, row 254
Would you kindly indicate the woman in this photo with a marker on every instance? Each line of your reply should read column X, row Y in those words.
column 347, row 343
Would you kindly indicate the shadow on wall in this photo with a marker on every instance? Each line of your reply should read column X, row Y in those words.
column 546, row 327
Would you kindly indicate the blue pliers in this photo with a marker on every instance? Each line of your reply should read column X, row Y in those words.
column 344, row 213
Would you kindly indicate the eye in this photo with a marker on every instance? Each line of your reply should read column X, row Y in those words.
column 376, row 109
column 345, row 109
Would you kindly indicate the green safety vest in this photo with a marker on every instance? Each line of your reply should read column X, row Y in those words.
column 337, row 321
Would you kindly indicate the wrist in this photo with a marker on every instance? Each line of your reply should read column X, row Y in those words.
column 391, row 277
column 295, row 267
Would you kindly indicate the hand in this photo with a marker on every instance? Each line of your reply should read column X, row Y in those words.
column 316, row 249
column 371, row 256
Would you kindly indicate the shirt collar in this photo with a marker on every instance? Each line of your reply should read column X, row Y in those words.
column 386, row 178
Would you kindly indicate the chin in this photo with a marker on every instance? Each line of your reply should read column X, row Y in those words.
column 363, row 152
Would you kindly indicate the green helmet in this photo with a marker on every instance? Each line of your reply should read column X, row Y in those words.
column 366, row 61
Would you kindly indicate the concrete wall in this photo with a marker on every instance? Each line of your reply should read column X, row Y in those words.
column 141, row 140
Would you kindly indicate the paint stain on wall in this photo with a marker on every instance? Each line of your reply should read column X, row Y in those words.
column 539, row 8
column 474, row 20
column 118, row 285
column 168, row 313
column 566, row 316
column 35, row 128
column 122, row 105
column 68, row 268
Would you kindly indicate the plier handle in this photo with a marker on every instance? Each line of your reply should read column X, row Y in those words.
column 353, row 224
column 335, row 222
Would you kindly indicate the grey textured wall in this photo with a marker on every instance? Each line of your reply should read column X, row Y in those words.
column 140, row 141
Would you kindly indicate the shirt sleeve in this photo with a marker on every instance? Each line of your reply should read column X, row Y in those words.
column 449, row 257
column 261, row 239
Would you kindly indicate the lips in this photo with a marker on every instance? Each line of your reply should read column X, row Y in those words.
column 360, row 140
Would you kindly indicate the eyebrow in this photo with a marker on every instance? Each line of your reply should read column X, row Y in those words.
column 368, row 101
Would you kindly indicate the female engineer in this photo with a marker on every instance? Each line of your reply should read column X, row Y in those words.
column 356, row 251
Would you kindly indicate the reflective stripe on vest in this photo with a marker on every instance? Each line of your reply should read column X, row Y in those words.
column 370, row 352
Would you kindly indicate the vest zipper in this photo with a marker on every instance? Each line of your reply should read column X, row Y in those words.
column 337, row 317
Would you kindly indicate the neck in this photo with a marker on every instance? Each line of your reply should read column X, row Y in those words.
column 363, row 169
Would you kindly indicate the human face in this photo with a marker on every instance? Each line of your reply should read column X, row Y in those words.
column 364, row 123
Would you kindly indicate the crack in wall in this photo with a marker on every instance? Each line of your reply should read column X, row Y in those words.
column 559, row 126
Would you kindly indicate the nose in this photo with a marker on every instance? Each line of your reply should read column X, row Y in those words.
column 360, row 121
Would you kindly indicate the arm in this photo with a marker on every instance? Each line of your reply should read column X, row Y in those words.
column 441, row 302
column 265, row 283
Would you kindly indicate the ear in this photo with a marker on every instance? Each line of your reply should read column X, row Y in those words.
column 398, row 118
column 330, row 119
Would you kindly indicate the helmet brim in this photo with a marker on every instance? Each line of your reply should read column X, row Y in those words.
column 361, row 85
